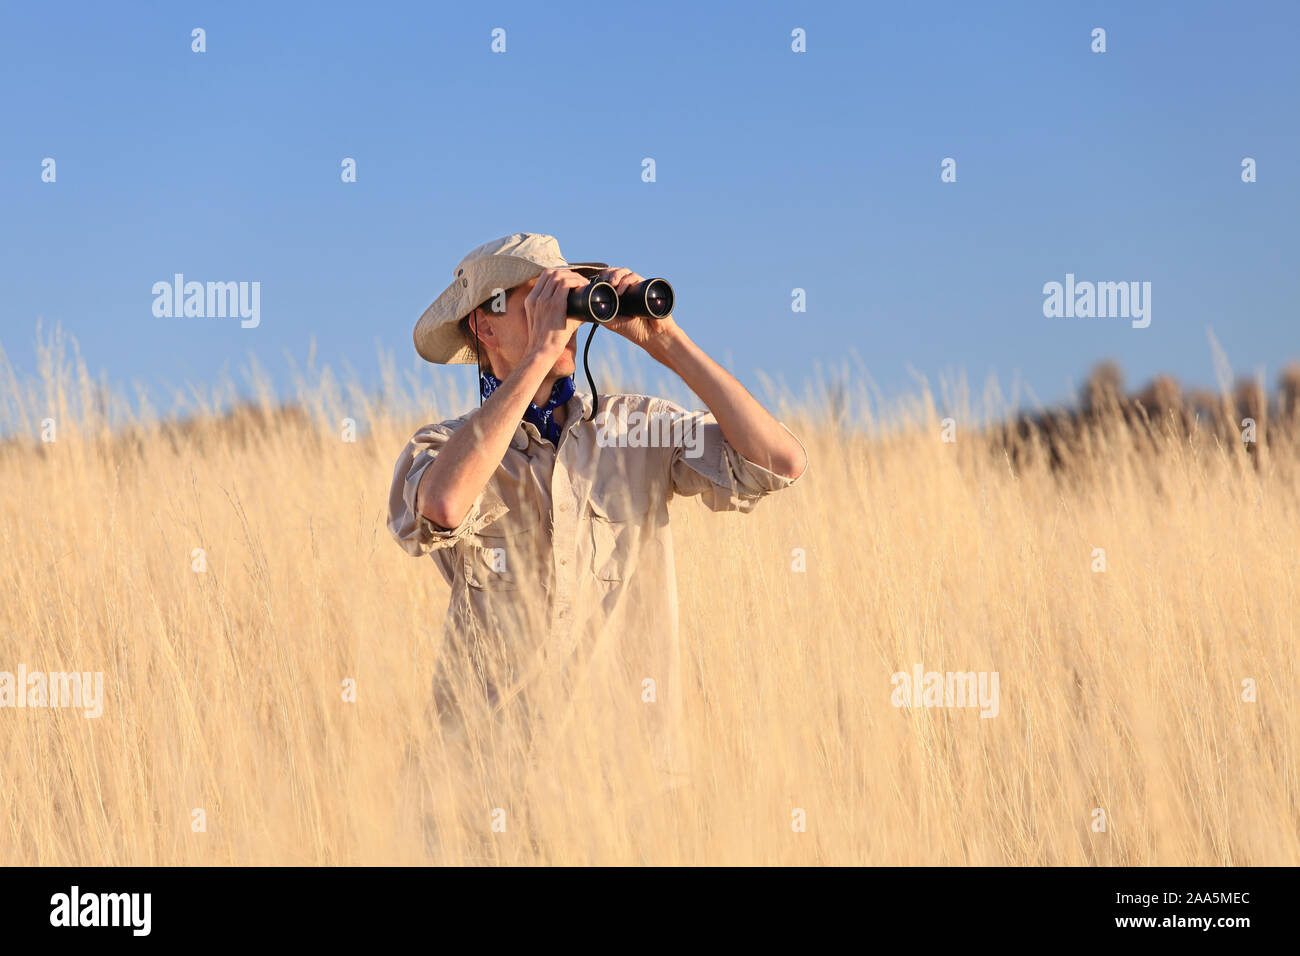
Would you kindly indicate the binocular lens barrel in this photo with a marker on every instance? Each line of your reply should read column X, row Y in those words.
column 652, row 298
column 594, row 302
column 598, row 302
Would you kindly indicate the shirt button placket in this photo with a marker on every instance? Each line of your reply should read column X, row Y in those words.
column 563, row 547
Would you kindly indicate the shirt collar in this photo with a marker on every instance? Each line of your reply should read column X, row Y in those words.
column 577, row 408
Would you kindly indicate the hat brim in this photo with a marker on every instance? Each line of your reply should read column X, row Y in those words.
column 438, row 337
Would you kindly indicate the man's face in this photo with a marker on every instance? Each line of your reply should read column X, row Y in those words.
column 504, row 335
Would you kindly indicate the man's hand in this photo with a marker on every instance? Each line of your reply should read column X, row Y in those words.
column 549, row 329
column 643, row 331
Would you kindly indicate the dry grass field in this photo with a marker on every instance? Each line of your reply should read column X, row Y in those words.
column 1160, row 691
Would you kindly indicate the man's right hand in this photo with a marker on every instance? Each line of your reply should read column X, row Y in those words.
column 550, row 329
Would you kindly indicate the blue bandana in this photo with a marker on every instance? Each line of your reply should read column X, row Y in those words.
column 543, row 416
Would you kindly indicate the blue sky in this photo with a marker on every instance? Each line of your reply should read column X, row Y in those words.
column 775, row 170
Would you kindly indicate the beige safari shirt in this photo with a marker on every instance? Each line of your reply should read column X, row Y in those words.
column 563, row 568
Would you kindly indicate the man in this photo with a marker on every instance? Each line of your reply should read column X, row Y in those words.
column 552, row 529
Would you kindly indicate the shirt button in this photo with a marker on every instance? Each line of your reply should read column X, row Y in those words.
column 564, row 561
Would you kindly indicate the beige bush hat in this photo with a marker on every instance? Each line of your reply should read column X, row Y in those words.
column 499, row 264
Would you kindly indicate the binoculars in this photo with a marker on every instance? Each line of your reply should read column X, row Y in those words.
column 598, row 302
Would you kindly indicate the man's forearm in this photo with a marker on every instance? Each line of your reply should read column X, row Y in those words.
column 454, row 479
column 747, row 425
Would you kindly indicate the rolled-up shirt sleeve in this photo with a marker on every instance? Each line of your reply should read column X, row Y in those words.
column 415, row 533
column 705, row 464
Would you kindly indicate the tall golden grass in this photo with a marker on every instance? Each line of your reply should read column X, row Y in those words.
column 1121, row 691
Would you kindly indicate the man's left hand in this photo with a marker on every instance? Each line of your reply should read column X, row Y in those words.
column 639, row 329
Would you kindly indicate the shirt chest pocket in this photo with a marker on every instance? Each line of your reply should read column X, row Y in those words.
column 618, row 520
column 499, row 557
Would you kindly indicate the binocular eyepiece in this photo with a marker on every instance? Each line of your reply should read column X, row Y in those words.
column 597, row 301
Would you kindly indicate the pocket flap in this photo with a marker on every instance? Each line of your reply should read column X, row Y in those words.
column 619, row 503
column 515, row 521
